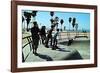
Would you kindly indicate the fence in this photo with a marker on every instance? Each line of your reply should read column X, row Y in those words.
column 29, row 39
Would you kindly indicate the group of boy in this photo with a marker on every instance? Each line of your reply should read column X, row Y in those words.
column 37, row 33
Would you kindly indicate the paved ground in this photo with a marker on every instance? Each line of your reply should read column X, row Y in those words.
column 47, row 54
column 78, row 50
column 82, row 46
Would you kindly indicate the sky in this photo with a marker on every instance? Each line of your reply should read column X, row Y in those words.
column 83, row 19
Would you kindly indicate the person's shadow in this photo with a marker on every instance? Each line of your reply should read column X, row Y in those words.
column 76, row 55
column 46, row 57
column 62, row 49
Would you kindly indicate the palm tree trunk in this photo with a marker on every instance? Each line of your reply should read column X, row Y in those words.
column 61, row 27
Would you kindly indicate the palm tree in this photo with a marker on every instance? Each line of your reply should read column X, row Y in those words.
column 23, row 24
column 73, row 23
column 76, row 26
column 52, row 13
column 28, row 18
column 70, row 19
column 61, row 21
column 64, row 28
column 34, row 13
column 22, row 19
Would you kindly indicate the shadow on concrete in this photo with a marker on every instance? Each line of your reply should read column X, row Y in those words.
column 46, row 57
column 74, row 56
column 62, row 50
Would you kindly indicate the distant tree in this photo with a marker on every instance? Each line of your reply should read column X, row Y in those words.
column 22, row 19
column 52, row 13
column 64, row 28
column 76, row 26
column 73, row 23
column 23, row 24
column 34, row 13
column 85, row 32
column 28, row 18
column 52, row 20
column 61, row 21
column 70, row 20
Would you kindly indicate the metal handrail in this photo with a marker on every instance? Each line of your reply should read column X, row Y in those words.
column 30, row 44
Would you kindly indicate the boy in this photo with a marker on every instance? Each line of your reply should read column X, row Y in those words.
column 35, row 37
column 49, row 37
column 55, row 40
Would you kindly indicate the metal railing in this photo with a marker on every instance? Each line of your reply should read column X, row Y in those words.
column 29, row 39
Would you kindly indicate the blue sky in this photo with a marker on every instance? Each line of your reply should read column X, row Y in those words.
column 83, row 19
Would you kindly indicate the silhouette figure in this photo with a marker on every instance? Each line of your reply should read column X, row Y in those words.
column 49, row 37
column 35, row 37
column 43, row 34
column 55, row 40
column 70, row 42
